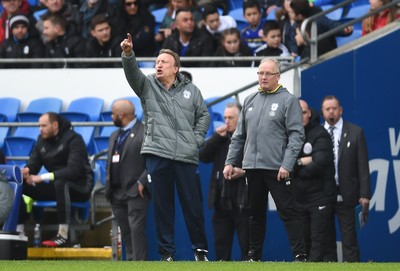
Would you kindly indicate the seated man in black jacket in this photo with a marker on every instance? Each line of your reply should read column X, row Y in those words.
column 188, row 40
column 62, row 152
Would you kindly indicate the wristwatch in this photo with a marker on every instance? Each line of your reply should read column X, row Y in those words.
column 299, row 163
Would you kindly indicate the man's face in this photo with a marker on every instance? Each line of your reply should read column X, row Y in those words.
column 185, row 23
column 50, row 31
column 231, row 116
column 212, row 21
column 11, row 6
column 116, row 116
column 54, row 5
column 102, row 32
column 177, row 4
column 131, row 7
column 19, row 31
column 332, row 111
column 252, row 16
column 47, row 129
column 165, row 66
column 273, row 38
column 306, row 112
column 268, row 75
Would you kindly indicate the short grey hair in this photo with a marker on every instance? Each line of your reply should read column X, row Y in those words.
column 273, row 60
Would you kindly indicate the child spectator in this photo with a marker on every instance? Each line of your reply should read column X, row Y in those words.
column 214, row 24
column 286, row 19
column 251, row 34
column 20, row 44
column 231, row 45
column 272, row 36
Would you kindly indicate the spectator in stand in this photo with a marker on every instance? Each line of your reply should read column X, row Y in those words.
column 251, row 33
column 302, row 45
column 13, row 7
column 353, row 185
column 103, row 42
column 132, row 18
column 231, row 45
column 314, row 181
column 272, row 36
column 214, row 24
column 88, row 9
column 21, row 44
column 168, row 23
column 227, row 197
column 303, row 10
column 380, row 19
column 67, row 10
column 188, row 40
column 126, row 179
column 62, row 152
column 286, row 18
column 60, row 44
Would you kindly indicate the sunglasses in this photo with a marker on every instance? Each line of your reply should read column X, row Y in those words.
column 128, row 4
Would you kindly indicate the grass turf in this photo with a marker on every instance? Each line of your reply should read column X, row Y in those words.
column 80, row 265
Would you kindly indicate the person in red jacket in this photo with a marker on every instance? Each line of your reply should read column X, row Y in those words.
column 380, row 19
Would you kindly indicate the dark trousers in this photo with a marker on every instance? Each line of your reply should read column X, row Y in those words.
column 58, row 190
column 131, row 217
column 347, row 226
column 261, row 182
column 225, row 223
column 316, row 223
column 165, row 174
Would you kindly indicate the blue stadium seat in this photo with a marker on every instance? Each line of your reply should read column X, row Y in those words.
column 81, row 110
column 8, row 113
column 13, row 175
column 38, row 107
column 334, row 15
column 159, row 15
column 357, row 33
column 106, row 115
column 235, row 4
column 237, row 14
column 356, row 12
column 37, row 14
column 219, row 108
column 18, row 146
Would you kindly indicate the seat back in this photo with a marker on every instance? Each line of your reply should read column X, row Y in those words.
column 13, row 175
column 9, row 108
column 106, row 115
column 38, row 107
column 18, row 146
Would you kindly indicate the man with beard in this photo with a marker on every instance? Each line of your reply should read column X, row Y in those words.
column 126, row 179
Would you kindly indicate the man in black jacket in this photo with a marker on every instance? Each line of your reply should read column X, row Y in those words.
column 21, row 44
column 62, row 152
column 227, row 197
column 315, row 183
column 188, row 40
column 61, row 42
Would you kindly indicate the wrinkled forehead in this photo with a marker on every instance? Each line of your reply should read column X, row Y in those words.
column 166, row 58
column 268, row 66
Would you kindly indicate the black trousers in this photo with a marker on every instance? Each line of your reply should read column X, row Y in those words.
column 316, row 230
column 347, row 226
column 261, row 182
column 55, row 191
column 225, row 224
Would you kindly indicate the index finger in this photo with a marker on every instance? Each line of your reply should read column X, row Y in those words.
column 129, row 37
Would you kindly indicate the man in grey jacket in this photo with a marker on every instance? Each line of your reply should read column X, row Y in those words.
column 176, row 120
column 270, row 133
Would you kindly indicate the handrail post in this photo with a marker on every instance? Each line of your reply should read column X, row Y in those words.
column 314, row 43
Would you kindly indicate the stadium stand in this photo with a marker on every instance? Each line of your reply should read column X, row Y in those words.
column 8, row 113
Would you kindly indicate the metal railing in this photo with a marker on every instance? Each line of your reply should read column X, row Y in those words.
column 313, row 40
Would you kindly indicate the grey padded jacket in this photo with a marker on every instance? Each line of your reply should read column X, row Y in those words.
column 176, row 120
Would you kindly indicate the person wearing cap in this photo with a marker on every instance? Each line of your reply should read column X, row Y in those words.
column 21, row 44
column 60, row 44
column 11, row 8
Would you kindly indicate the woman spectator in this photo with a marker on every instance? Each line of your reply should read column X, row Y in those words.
column 380, row 19
column 139, row 22
column 231, row 45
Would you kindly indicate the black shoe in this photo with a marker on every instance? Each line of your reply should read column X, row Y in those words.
column 167, row 257
column 300, row 258
column 57, row 241
column 200, row 255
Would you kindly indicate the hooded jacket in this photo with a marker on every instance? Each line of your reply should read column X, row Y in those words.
column 315, row 182
column 64, row 155
column 176, row 120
